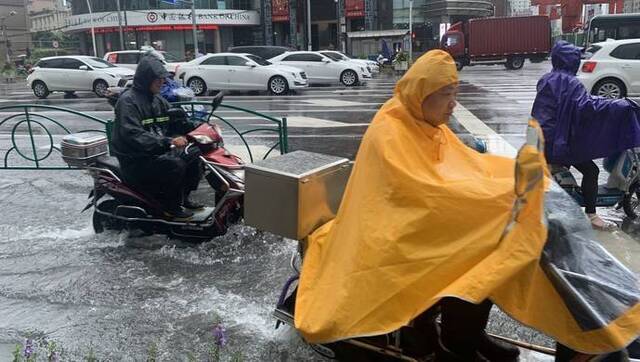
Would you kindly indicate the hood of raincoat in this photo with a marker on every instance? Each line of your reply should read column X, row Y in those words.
column 425, row 217
column 423, row 79
column 149, row 69
column 565, row 57
column 579, row 127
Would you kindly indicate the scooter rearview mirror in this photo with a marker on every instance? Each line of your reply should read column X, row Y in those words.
column 216, row 101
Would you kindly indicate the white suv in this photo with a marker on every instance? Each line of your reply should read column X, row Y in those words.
column 130, row 58
column 612, row 69
column 76, row 73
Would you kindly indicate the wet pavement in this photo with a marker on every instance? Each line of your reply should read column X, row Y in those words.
column 119, row 295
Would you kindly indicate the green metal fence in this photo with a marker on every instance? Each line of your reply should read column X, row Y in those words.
column 28, row 123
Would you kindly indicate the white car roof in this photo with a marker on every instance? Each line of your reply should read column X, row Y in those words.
column 614, row 43
column 225, row 54
column 80, row 57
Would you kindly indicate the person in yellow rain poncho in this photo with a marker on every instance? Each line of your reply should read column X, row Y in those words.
column 425, row 220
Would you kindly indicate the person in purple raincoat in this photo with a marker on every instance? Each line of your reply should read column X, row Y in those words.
column 578, row 127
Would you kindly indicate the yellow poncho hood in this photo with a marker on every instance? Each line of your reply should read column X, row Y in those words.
column 423, row 217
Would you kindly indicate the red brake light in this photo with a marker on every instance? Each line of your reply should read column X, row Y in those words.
column 588, row 67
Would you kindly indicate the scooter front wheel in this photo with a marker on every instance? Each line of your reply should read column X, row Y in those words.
column 631, row 201
column 98, row 222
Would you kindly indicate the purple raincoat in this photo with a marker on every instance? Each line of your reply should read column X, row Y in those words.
column 579, row 127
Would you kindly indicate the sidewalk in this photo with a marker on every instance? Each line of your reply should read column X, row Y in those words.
column 7, row 88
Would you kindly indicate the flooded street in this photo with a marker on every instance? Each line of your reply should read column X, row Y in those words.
column 119, row 296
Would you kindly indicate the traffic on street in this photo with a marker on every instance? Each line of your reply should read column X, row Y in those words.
column 172, row 190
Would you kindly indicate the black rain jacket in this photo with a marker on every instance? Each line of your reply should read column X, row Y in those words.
column 139, row 131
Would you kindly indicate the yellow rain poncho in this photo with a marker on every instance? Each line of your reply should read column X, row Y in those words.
column 424, row 217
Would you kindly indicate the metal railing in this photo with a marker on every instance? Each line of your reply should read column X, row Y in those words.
column 30, row 123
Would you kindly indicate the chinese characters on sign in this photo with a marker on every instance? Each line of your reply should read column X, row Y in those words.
column 354, row 8
column 279, row 10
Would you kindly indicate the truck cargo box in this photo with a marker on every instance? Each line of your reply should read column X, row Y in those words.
column 500, row 37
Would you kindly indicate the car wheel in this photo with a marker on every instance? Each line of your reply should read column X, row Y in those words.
column 515, row 63
column 278, row 85
column 40, row 89
column 459, row 64
column 349, row 78
column 609, row 88
column 197, row 85
column 100, row 88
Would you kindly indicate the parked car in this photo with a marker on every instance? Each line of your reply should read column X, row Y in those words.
column 131, row 58
column 76, row 73
column 372, row 66
column 322, row 69
column 232, row 71
column 612, row 69
column 263, row 51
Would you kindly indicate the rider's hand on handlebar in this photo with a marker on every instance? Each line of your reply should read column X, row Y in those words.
column 179, row 141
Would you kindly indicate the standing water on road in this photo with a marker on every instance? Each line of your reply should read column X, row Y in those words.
column 119, row 296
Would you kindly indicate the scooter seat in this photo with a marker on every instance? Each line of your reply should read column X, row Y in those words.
column 110, row 163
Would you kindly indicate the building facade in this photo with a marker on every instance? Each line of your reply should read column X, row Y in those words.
column 219, row 25
column 520, row 7
column 632, row 6
column 14, row 31
column 47, row 15
column 337, row 23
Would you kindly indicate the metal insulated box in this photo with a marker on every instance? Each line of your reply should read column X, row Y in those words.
column 293, row 194
column 81, row 149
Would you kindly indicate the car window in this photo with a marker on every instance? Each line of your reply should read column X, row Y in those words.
column 213, row 61
column 309, row 57
column 112, row 58
column 98, row 63
column 295, row 58
column 43, row 64
column 171, row 58
column 340, row 56
column 236, row 61
column 57, row 63
column 627, row 51
column 70, row 63
column 258, row 60
column 332, row 56
column 128, row 58
column 591, row 51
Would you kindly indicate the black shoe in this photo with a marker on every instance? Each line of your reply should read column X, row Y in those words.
column 496, row 350
column 189, row 204
column 179, row 214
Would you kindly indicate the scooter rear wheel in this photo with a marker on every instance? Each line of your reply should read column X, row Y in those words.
column 631, row 201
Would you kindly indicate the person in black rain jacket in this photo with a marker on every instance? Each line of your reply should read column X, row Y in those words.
column 141, row 142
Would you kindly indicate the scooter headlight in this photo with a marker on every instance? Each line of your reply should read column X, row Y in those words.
column 202, row 139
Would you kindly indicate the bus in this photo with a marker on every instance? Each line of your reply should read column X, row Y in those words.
column 615, row 26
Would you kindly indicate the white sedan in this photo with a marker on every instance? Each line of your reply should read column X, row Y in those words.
column 372, row 67
column 322, row 69
column 233, row 71
column 131, row 58
column 612, row 69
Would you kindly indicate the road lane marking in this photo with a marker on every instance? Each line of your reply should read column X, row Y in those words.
column 495, row 143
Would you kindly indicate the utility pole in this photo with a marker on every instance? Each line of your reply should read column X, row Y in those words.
column 195, row 32
column 120, row 25
column 93, row 31
column 309, row 43
column 410, row 31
